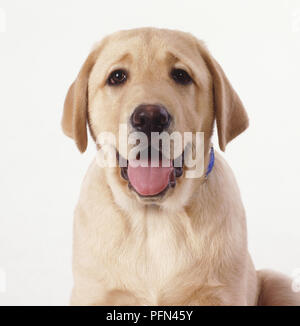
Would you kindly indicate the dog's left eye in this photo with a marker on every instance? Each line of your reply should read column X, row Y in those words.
column 117, row 77
column 180, row 76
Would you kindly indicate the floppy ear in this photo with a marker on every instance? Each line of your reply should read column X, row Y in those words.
column 231, row 116
column 74, row 118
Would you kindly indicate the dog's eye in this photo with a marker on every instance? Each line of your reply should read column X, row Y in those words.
column 117, row 77
column 181, row 76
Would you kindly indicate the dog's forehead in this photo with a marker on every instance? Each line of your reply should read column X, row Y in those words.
column 148, row 42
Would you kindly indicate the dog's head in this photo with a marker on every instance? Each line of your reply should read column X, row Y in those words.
column 152, row 81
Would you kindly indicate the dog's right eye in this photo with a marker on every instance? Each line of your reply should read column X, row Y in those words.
column 117, row 77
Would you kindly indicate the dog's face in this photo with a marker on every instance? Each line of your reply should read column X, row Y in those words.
column 152, row 81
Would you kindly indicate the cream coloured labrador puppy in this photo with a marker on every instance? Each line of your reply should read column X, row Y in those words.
column 152, row 236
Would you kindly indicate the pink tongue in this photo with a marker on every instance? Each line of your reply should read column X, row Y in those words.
column 148, row 181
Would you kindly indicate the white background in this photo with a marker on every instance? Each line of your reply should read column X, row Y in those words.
column 42, row 46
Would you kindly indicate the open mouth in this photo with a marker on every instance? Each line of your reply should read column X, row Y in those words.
column 154, row 177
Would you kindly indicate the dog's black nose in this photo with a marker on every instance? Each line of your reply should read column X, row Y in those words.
column 150, row 118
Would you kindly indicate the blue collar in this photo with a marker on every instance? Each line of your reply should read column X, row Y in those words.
column 211, row 162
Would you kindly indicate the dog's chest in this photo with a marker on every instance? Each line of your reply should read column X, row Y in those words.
column 155, row 254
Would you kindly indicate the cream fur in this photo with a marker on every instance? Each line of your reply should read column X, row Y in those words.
column 190, row 248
